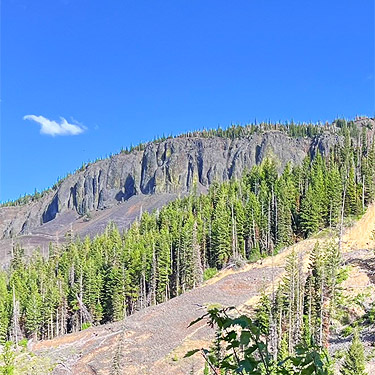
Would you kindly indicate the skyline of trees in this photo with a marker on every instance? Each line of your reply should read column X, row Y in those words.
column 339, row 126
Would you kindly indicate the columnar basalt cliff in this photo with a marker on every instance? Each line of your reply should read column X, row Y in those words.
column 173, row 166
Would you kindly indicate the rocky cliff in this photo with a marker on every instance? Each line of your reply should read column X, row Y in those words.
column 171, row 167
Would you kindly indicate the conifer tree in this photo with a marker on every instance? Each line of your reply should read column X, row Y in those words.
column 4, row 306
column 221, row 235
column 263, row 314
column 318, row 182
column 164, row 265
column 334, row 189
column 354, row 362
column 310, row 217
column 291, row 291
column 33, row 311
column 351, row 199
column 283, row 212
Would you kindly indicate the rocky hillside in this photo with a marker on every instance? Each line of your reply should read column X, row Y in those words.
column 171, row 166
column 118, row 188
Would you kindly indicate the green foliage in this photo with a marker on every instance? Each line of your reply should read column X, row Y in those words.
column 17, row 360
column 23, row 343
column 85, row 325
column 347, row 331
column 240, row 349
column 354, row 363
column 209, row 273
column 165, row 253
column 263, row 313
column 371, row 314
column 7, row 357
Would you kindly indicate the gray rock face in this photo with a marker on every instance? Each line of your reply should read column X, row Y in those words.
column 171, row 166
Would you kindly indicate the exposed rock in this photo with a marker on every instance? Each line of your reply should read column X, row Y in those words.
column 171, row 166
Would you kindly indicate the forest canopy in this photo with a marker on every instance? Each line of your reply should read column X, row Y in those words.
column 165, row 253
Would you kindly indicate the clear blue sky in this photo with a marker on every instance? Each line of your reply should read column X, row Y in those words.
column 120, row 72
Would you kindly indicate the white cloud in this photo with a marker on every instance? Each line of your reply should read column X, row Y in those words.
column 53, row 128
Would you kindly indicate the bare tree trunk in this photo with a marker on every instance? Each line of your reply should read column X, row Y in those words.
column 363, row 193
column 321, row 311
column 15, row 318
column 276, row 218
column 178, row 270
column 57, row 322
column 197, row 261
column 290, row 312
column 342, row 218
column 269, row 227
column 310, row 305
column 254, row 237
column 51, row 324
column 80, row 299
column 153, row 277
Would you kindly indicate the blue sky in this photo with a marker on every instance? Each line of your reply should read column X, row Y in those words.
column 120, row 72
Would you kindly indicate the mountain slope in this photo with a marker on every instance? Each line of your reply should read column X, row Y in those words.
column 155, row 339
column 85, row 201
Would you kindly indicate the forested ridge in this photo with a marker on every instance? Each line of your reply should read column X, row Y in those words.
column 356, row 128
column 104, row 279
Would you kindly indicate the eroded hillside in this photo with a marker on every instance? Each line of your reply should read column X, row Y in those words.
column 155, row 339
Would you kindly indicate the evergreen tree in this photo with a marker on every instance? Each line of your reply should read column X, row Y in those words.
column 354, row 362
column 334, row 192
column 351, row 198
column 8, row 358
column 318, row 182
column 221, row 234
column 4, row 313
column 263, row 314
column 33, row 311
column 310, row 216
column 164, row 265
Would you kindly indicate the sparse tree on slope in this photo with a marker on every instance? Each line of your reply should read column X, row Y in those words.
column 354, row 363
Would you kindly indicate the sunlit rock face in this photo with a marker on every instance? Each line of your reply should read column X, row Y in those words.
column 173, row 166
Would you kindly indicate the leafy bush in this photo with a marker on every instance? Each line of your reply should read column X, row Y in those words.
column 240, row 349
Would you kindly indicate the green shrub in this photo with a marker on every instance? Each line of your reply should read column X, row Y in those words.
column 209, row 273
column 347, row 331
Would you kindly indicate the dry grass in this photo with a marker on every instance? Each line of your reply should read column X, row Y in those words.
column 360, row 235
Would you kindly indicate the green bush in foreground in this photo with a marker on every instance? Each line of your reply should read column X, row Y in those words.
column 240, row 349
